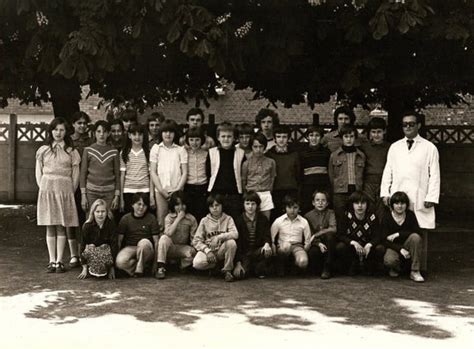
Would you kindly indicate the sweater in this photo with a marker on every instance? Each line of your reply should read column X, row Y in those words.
column 223, row 227
column 287, row 169
column 363, row 231
column 262, row 234
column 93, row 234
column 389, row 227
column 376, row 157
column 100, row 169
column 314, row 164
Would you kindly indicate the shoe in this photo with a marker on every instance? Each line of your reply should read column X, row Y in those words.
column 261, row 276
column 160, row 273
column 326, row 274
column 228, row 277
column 60, row 267
column 393, row 273
column 416, row 276
column 137, row 275
column 353, row 269
column 74, row 262
column 51, row 267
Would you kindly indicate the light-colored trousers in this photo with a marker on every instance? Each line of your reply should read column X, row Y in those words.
column 133, row 259
column 413, row 245
column 226, row 253
column 168, row 249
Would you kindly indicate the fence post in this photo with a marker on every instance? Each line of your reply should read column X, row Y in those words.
column 12, row 157
column 316, row 119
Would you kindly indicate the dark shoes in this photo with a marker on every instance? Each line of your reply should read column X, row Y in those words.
column 160, row 273
column 74, row 262
column 51, row 268
column 60, row 267
column 326, row 274
column 228, row 277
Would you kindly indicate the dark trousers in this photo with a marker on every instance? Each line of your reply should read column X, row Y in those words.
column 348, row 258
column 319, row 261
column 254, row 262
column 196, row 196
column 373, row 192
column 232, row 204
column 278, row 196
column 340, row 201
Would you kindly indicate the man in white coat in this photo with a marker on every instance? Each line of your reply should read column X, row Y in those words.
column 413, row 167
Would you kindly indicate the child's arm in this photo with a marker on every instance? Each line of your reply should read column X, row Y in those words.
column 39, row 166
column 156, row 179
column 331, row 171
column 122, row 185
column 199, row 240
column 306, row 235
column 76, row 160
column 332, row 228
column 184, row 176
column 245, row 172
column 170, row 225
column 273, row 174
column 116, row 200
column 231, row 231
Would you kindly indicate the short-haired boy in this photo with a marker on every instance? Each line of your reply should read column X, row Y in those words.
column 287, row 168
column 195, row 118
column 322, row 221
column 245, row 132
column 254, row 250
column 153, row 123
column 267, row 120
column 291, row 235
column 314, row 164
column 376, row 156
column 346, row 170
column 215, row 239
column 258, row 174
column 224, row 169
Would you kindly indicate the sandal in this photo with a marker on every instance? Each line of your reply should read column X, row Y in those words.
column 74, row 262
column 51, row 267
column 60, row 267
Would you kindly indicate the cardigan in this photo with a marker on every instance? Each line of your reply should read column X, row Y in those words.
column 262, row 234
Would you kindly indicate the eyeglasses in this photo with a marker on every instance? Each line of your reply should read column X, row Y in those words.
column 409, row 124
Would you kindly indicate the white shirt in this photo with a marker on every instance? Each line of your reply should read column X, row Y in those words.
column 168, row 162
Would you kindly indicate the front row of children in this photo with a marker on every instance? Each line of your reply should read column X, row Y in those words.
column 249, row 245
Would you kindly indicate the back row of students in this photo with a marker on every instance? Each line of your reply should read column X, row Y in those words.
column 227, row 170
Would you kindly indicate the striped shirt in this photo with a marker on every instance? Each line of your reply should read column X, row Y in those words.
column 137, row 174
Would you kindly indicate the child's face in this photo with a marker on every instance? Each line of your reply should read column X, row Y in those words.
column 153, row 128
column 126, row 124
column 266, row 124
column 376, row 135
column 116, row 133
column 59, row 132
column 257, row 148
column 195, row 121
column 136, row 138
column 250, row 207
column 101, row 135
column 281, row 139
column 320, row 202
column 348, row 139
column 100, row 213
column 179, row 207
column 139, row 208
column 168, row 137
column 80, row 126
column 314, row 138
column 400, row 207
column 360, row 208
column 194, row 142
column 343, row 119
column 215, row 209
column 226, row 139
column 292, row 211
column 244, row 140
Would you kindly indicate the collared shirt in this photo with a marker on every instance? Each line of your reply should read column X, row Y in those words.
column 197, row 167
column 185, row 230
column 259, row 173
column 319, row 220
column 294, row 231
column 168, row 162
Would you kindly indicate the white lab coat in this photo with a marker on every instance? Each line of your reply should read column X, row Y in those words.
column 415, row 172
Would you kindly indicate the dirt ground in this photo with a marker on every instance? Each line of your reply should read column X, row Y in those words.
column 205, row 312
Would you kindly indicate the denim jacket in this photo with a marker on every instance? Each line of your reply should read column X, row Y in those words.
column 338, row 173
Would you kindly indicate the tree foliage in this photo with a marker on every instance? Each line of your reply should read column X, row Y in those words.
column 401, row 53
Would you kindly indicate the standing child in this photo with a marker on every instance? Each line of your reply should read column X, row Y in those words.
column 224, row 167
column 322, row 221
column 267, row 120
column 245, row 132
column 134, row 173
column 196, row 183
column 99, row 242
column 314, row 164
column 376, row 156
column 153, row 122
column 81, row 137
column 117, row 133
column 291, row 235
column 258, row 174
column 254, row 250
column 100, row 170
column 359, row 237
column 195, row 119
column 287, row 169
column 346, row 170
column 180, row 227
column 215, row 239
column 138, row 232
column 401, row 234
column 128, row 117
column 57, row 176
column 169, row 168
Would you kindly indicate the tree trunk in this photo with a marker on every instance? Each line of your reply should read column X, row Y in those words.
column 395, row 105
column 65, row 96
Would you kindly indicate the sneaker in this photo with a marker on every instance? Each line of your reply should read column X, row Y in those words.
column 326, row 274
column 74, row 262
column 228, row 277
column 160, row 273
column 51, row 267
column 60, row 267
column 416, row 276
column 393, row 273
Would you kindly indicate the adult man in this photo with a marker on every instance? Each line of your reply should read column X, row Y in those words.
column 342, row 116
column 413, row 167
column 195, row 119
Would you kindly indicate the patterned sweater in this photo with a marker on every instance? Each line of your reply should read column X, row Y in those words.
column 100, row 169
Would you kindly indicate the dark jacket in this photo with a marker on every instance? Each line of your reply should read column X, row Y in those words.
column 262, row 235
column 92, row 234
